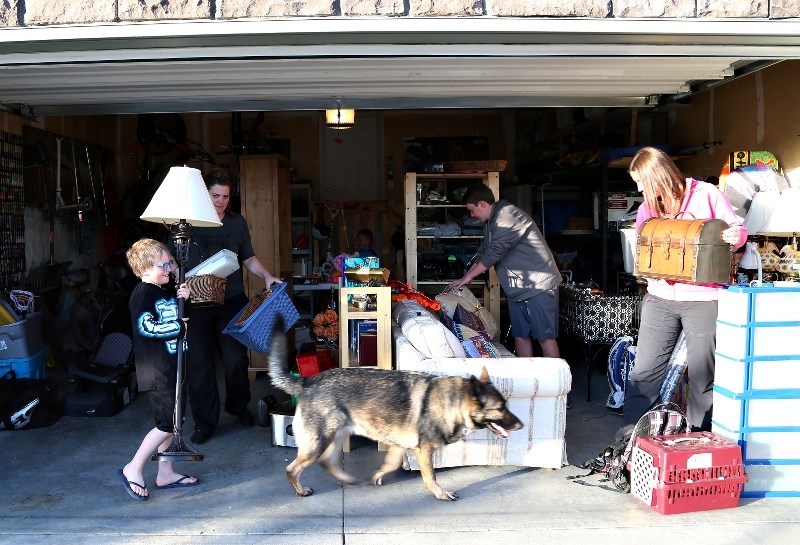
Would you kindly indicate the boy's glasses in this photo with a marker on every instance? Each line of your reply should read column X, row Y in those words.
column 166, row 266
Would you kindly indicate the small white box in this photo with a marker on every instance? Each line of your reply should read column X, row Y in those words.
column 282, row 434
column 220, row 264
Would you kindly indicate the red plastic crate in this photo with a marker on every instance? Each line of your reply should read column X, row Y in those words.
column 311, row 363
column 687, row 472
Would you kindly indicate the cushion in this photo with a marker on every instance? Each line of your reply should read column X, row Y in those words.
column 475, row 344
column 447, row 321
column 465, row 298
column 464, row 317
column 404, row 308
column 425, row 332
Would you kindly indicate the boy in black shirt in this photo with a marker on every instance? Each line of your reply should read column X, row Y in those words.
column 156, row 328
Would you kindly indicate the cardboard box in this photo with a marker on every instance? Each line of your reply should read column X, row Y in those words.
column 282, row 434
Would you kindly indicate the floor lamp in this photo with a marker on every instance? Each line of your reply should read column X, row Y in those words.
column 180, row 202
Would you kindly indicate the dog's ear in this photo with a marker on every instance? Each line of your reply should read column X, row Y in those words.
column 485, row 376
column 477, row 388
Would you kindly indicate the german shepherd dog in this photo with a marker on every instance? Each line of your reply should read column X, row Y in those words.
column 405, row 410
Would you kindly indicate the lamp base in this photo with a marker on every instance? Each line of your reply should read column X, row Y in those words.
column 177, row 451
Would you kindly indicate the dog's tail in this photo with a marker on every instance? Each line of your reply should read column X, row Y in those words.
column 278, row 355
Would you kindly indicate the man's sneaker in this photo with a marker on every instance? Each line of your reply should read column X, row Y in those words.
column 200, row 436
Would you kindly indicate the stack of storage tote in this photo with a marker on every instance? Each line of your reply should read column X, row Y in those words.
column 757, row 384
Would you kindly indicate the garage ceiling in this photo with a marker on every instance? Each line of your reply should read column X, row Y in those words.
column 380, row 63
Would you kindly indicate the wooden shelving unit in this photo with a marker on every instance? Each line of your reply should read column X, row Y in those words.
column 382, row 314
column 489, row 292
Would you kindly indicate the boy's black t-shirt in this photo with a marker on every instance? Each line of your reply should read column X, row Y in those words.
column 154, row 316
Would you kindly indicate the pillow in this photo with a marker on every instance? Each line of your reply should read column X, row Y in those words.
column 447, row 321
column 475, row 344
column 405, row 308
column 427, row 334
column 479, row 347
column 464, row 317
column 465, row 298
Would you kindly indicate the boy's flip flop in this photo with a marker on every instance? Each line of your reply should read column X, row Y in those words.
column 179, row 483
column 127, row 484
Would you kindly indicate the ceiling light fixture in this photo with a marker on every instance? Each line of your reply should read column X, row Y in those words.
column 338, row 117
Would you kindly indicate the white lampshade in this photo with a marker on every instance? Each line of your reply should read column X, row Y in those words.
column 761, row 209
column 785, row 217
column 752, row 260
column 182, row 196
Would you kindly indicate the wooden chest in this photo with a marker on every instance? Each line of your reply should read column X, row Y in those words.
column 683, row 250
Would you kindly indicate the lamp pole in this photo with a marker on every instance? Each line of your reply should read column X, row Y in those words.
column 177, row 449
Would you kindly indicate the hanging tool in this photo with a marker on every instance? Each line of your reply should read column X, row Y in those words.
column 333, row 213
column 59, row 199
column 348, row 246
column 80, row 206
column 89, row 169
column 91, row 182
column 102, row 186
column 77, row 185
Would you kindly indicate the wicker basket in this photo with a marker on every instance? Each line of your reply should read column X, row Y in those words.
column 476, row 167
column 253, row 325
column 207, row 290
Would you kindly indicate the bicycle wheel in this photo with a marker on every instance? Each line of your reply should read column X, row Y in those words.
column 84, row 322
column 160, row 132
column 133, row 203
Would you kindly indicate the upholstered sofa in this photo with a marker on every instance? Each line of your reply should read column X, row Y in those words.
column 536, row 390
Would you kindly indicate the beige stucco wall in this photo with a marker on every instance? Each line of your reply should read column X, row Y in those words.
column 58, row 12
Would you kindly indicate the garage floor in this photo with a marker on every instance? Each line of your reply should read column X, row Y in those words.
column 59, row 485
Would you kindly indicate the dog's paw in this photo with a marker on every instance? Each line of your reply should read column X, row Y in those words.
column 447, row 496
column 305, row 491
column 377, row 479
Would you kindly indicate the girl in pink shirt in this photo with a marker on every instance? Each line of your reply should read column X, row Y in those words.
column 670, row 307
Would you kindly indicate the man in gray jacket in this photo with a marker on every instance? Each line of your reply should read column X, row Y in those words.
column 525, row 266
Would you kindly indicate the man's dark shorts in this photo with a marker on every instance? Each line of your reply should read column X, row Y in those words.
column 536, row 317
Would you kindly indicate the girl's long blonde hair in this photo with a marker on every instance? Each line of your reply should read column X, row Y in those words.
column 663, row 182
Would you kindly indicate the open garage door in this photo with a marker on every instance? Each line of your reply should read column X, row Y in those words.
column 386, row 63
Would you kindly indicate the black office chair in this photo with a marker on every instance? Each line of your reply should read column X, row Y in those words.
column 112, row 362
column 105, row 382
